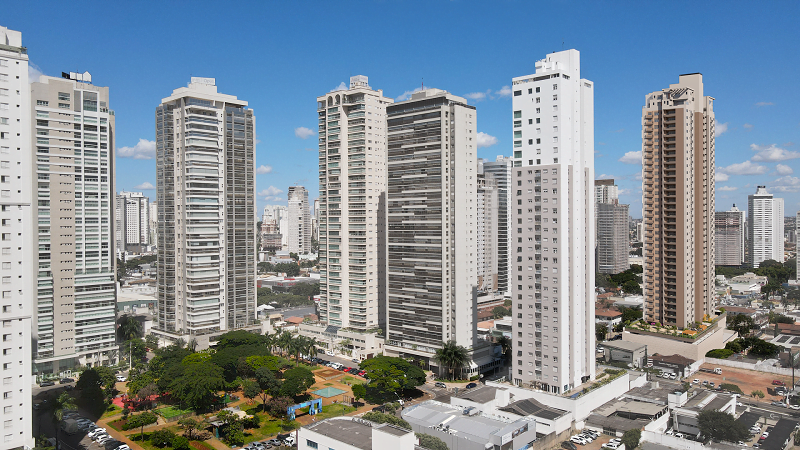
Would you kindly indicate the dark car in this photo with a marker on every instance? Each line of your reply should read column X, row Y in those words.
column 46, row 383
column 569, row 445
column 379, row 408
column 472, row 385
column 66, row 380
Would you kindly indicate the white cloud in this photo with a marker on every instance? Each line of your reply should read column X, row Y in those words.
column 143, row 149
column 638, row 176
column 783, row 169
column 407, row 94
column 747, row 126
column 303, row 132
column 772, row 153
column 262, row 169
column 34, row 72
column 485, row 140
column 786, row 184
column 745, row 168
column 146, row 186
column 727, row 188
column 270, row 192
column 719, row 176
column 504, row 91
column 340, row 87
column 759, row 104
column 720, row 128
column 632, row 157
column 477, row 96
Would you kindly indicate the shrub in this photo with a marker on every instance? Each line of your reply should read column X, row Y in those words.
column 180, row 443
column 162, row 438
column 731, row 388
column 377, row 417
column 276, row 406
column 431, row 442
column 720, row 353
column 251, row 422
column 631, row 438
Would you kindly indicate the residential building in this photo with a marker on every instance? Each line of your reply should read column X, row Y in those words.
column 205, row 167
column 605, row 191
column 74, row 189
column 354, row 433
column 764, row 227
column 554, row 215
column 153, row 226
column 797, row 233
column 678, row 198
column 500, row 170
column 613, row 239
column 729, row 237
column 352, row 206
column 18, row 240
column 298, row 232
column 315, row 221
column 487, row 223
column 132, row 222
column 432, row 195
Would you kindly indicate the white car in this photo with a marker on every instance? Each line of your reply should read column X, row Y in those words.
column 121, row 378
column 679, row 435
column 329, row 353
column 695, row 381
column 611, row 445
column 96, row 431
column 289, row 440
column 673, row 376
column 578, row 440
column 123, row 447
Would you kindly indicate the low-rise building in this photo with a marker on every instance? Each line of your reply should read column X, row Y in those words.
column 685, row 416
column 750, row 277
column 361, row 345
column 677, row 364
column 780, row 438
column 626, row 352
column 609, row 317
column 353, row 433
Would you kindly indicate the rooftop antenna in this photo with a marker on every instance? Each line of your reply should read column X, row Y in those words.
column 423, row 84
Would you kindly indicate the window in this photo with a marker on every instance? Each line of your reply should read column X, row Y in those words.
column 555, row 87
column 538, row 100
column 42, row 103
column 311, row 444
column 517, row 114
column 538, row 89
column 517, row 93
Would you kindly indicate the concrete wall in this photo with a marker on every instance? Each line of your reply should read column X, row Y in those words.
column 671, row 441
column 695, row 350
column 742, row 365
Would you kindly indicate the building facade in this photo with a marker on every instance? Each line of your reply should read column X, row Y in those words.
column 500, row 171
column 132, row 222
column 298, row 232
column 432, row 194
column 605, row 191
column 18, row 256
column 764, row 227
column 487, row 223
column 205, row 165
column 553, row 212
column 352, row 206
column 729, row 237
column 74, row 187
column 613, row 238
column 678, row 198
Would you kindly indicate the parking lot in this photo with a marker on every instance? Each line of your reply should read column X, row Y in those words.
column 747, row 380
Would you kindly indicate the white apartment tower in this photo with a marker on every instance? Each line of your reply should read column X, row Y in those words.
column 132, row 230
column 431, row 223
column 74, row 186
column 605, row 191
column 729, row 237
column 500, row 171
column 553, row 213
column 18, row 241
column 764, row 227
column 298, row 233
column 205, row 166
column 486, row 221
column 352, row 205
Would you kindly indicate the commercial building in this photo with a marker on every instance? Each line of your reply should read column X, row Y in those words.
column 132, row 222
column 554, row 215
column 73, row 136
column 729, row 237
column 500, row 171
column 678, row 200
column 613, row 238
column 432, row 195
column 352, row 206
column 764, row 227
column 353, row 433
column 205, row 166
column 18, row 246
column 605, row 191
column 487, row 223
column 298, row 230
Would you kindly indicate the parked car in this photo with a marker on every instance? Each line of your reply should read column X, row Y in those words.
column 379, row 408
column 472, row 385
column 567, row 445
column 329, row 353
column 356, row 360
column 695, row 381
column 610, row 445
column 347, row 369
column 705, row 382
column 66, row 380
column 778, row 383
column 439, row 384
column 275, row 442
column 121, row 378
column 781, row 404
column 362, row 373
column 46, row 383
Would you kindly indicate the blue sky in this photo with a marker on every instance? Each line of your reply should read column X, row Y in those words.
column 279, row 56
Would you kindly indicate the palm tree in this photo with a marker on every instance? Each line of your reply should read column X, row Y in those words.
column 452, row 356
column 296, row 346
column 192, row 344
column 129, row 328
column 284, row 341
column 344, row 346
column 310, row 347
column 59, row 407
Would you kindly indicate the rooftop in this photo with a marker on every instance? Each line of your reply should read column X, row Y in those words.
column 624, row 345
column 607, row 313
column 530, row 407
column 781, row 432
column 739, row 310
column 353, row 431
column 706, row 400
column 654, row 392
column 675, row 359
column 480, row 394
column 477, row 428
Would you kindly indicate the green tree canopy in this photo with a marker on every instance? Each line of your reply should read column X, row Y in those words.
column 452, row 356
column 129, row 328
column 377, row 417
column 431, row 442
column 388, row 375
column 631, row 438
column 296, row 381
column 601, row 330
column 140, row 421
column 742, row 324
column 721, row 426
column 198, row 385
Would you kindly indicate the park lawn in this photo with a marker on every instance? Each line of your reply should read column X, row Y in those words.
column 269, row 428
column 147, row 445
column 112, row 410
column 169, row 412
column 335, row 410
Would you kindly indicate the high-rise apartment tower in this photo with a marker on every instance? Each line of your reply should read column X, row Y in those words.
column 352, row 206
column 487, row 224
column 500, row 171
column 605, row 191
column 678, row 201
column 613, row 237
column 764, row 227
column 132, row 226
column 729, row 237
column 205, row 166
column 553, row 213
column 298, row 233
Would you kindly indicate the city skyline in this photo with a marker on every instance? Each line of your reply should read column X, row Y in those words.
column 755, row 134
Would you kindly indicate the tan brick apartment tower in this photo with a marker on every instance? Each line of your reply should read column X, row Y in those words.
column 678, row 202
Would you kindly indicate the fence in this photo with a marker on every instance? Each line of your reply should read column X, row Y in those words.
column 760, row 367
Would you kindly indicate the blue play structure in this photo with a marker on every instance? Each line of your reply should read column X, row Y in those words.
column 315, row 406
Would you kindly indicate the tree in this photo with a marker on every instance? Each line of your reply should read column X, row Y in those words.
column 151, row 340
column 630, row 314
column 268, row 384
column 505, row 343
column 431, row 442
column 498, row 312
column 190, row 427
column 721, row 426
column 762, row 348
column 359, row 391
column 58, row 407
column 388, row 375
column 742, row 324
column 180, row 443
column 135, row 349
column 251, row 389
column 197, row 387
column 632, row 287
column 296, row 381
column 140, row 421
column 631, row 438
column 285, row 340
column 377, row 417
column 757, row 393
column 601, row 331
column 129, row 328
column 452, row 356
column 276, row 406
column 162, row 438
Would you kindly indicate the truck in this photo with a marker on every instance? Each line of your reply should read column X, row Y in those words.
column 717, row 371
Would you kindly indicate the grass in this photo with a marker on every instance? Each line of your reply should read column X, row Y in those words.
column 328, row 384
column 269, row 428
column 335, row 410
column 169, row 412
column 111, row 411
